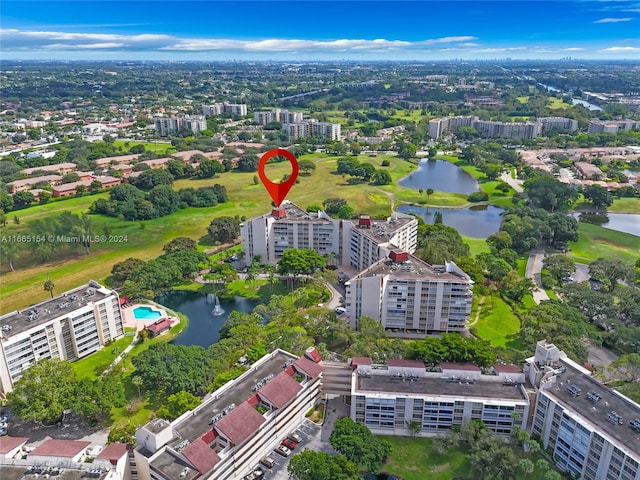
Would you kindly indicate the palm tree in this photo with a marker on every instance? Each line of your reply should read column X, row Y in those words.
column 49, row 286
column 429, row 192
column 137, row 381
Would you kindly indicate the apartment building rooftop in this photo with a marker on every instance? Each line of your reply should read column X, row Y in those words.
column 382, row 230
column 25, row 472
column 19, row 321
column 290, row 212
column 381, row 380
column 605, row 409
column 413, row 268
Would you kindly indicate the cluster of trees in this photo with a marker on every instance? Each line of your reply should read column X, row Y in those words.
column 66, row 232
column 356, row 442
column 146, row 279
column 311, row 465
column 439, row 243
column 131, row 203
column 334, row 206
column 51, row 386
column 490, row 455
column 546, row 192
column 490, row 158
column 300, row 262
column 224, row 229
column 451, row 347
column 362, row 172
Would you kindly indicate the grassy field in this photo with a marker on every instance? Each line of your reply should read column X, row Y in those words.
column 415, row 459
column 161, row 148
column 625, row 205
column 523, row 99
column 595, row 242
column 498, row 324
column 476, row 245
column 555, row 103
column 86, row 368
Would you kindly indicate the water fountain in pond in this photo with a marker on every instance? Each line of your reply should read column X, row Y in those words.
column 217, row 308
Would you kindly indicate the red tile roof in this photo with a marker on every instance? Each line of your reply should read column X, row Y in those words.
column 9, row 443
column 160, row 325
column 313, row 355
column 308, row 367
column 395, row 362
column 201, row 456
column 61, row 448
column 459, row 366
column 507, row 368
column 209, row 437
column 254, row 400
column 113, row 452
column 240, row 423
column 280, row 390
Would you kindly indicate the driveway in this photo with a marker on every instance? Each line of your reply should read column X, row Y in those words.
column 513, row 183
column 534, row 267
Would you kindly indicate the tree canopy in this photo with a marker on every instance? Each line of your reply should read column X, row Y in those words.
column 356, row 442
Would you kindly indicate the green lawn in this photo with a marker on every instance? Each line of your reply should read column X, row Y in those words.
column 523, row 99
column 555, row 103
column 257, row 289
column 476, row 245
column 414, row 459
column 595, row 242
column 86, row 368
column 161, row 148
column 498, row 324
column 625, row 205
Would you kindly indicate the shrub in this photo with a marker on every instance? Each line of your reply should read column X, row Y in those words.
column 478, row 197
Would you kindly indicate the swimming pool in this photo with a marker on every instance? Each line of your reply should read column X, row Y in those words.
column 146, row 313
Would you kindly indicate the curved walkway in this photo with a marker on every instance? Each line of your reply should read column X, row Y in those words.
column 534, row 267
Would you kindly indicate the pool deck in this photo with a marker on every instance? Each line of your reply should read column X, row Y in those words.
column 131, row 322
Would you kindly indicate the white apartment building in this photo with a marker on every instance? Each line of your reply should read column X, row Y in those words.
column 69, row 326
column 612, row 126
column 220, row 108
column 226, row 436
column 442, row 126
column 313, row 128
column 173, row 125
column 358, row 243
column 592, row 431
column 562, row 123
column 409, row 297
column 388, row 398
column 277, row 115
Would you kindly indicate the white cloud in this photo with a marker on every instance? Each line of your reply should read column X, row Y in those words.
column 613, row 20
column 621, row 50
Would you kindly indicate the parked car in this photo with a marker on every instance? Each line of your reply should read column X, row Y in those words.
column 256, row 474
column 3, row 432
column 290, row 444
column 282, row 450
column 4, row 425
column 567, row 279
column 295, row 437
column 267, row 462
column 4, row 419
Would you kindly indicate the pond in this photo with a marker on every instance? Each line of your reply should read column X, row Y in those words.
column 440, row 175
column 204, row 326
column 620, row 222
column 476, row 222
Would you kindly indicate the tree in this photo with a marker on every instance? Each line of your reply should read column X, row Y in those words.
column 224, row 229
column 6, row 202
column 526, row 466
column 598, row 196
column 248, row 163
column 429, row 192
column 610, row 272
column 209, row 168
column 137, row 381
column 549, row 194
column 300, row 262
column 311, row 465
column 564, row 228
column 307, row 166
column 407, row 150
column 70, row 177
column 43, row 392
column 439, row 243
column 626, row 368
column 332, row 205
column 49, row 286
column 179, row 243
column 559, row 266
column 9, row 253
column 177, row 404
column 94, row 186
column 499, row 241
column 126, row 434
column 164, row 199
column 122, row 270
column 414, row 427
column 152, row 178
column 381, row 177
column 94, row 398
column 23, row 199
column 356, row 442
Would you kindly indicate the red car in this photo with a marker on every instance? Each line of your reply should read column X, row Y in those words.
column 290, row 444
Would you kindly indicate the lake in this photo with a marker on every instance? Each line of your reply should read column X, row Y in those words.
column 624, row 222
column 440, row 175
column 203, row 328
column 476, row 222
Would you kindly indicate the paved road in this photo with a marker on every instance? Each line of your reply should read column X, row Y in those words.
column 534, row 267
column 600, row 356
column 581, row 274
column 515, row 184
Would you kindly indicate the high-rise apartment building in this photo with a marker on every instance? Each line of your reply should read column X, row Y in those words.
column 561, row 123
column 388, row 398
column 69, row 326
column 358, row 243
column 442, row 126
column 612, row 126
column 277, row 115
column 174, row 125
column 409, row 297
column 225, row 437
column 220, row 108
column 592, row 431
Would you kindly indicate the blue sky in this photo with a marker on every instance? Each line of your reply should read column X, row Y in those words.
column 322, row 30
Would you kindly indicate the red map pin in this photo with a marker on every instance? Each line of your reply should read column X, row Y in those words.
column 278, row 191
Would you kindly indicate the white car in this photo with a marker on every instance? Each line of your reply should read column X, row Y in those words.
column 282, row 450
column 3, row 431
